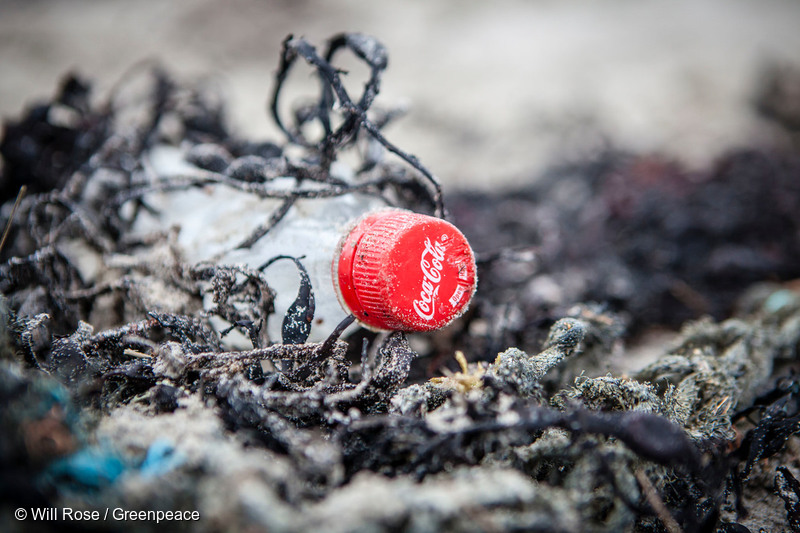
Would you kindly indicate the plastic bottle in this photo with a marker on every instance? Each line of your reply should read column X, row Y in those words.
column 392, row 269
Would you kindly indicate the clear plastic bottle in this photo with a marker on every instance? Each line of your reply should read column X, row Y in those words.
column 392, row 269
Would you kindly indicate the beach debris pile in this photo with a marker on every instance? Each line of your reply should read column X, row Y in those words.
column 118, row 390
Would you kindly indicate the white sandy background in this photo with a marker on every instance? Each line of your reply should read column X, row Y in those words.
column 496, row 91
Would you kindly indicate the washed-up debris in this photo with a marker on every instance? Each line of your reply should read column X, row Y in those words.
column 121, row 389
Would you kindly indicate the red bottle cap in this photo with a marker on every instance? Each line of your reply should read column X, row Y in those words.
column 399, row 270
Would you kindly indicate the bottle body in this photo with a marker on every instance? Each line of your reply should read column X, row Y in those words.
column 214, row 220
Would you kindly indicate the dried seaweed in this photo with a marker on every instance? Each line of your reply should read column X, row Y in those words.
column 654, row 243
column 105, row 334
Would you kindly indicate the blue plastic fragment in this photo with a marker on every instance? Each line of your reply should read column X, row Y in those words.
column 779, row 299
column 91, row 468
column 161, row 458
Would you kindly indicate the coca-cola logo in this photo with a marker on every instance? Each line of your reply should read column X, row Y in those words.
column 430, row 263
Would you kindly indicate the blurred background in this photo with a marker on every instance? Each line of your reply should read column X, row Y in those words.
column 496, row 92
